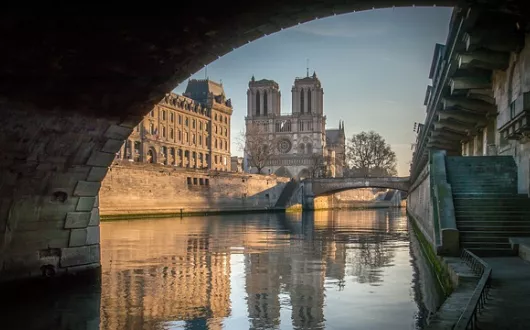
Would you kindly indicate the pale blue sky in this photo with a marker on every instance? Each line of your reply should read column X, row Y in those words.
column 373, row 66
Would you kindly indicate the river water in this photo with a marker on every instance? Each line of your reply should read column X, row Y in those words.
column 322, row 270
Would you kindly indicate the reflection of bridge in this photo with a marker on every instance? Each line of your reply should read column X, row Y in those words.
column 333, row 185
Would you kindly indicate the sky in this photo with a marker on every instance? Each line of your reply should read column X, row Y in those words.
column 373, row 66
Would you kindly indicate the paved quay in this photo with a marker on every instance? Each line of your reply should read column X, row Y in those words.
column 508, row 305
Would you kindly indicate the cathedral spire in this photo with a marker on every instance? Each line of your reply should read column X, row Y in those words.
column 307, row 67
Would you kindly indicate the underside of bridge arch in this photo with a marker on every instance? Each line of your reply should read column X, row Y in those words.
column 72, row 88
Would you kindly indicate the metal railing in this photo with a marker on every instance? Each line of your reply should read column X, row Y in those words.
column 468, row 319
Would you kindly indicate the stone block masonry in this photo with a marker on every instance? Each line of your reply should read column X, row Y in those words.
column 141, row 190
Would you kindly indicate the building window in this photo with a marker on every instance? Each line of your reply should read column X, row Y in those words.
column 195, row 181
column 171, row 134
column 172, row 116
column 226, row 120
column 200, row 125
column 265, row 108
column 193, row 138
column 193, row 123
column 186, row 121
column 215, row 129
column 180, row 136
column 188, row 180
column 309, row 101
column 186, row 137
column 163, row 131
column 226, row 131
column 216, row 145
column 163, row 115
column 257, row 103
column 302, row 100
column 200, row 140
column 201, row 182
column 152, row 113
column 205, row 127
column 206, row 182
column 512, row 110
column 152, row 128
column 215, row 116
column 180, row 119
column 215, row 159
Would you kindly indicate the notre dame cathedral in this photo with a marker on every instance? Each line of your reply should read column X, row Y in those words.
column 300, row 137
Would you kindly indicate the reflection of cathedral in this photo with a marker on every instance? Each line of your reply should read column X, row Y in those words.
column 301, row 138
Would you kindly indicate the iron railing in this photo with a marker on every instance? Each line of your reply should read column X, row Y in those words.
column 468, row 319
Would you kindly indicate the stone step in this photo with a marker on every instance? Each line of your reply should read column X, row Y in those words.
column 493, row 222
column 493, row 252
column 490, row 233
column 482, row 238
column 491, row 202
column 524, row 207
column 488, row 212
column 496, row 229
column 496, row 245
column 479, row 196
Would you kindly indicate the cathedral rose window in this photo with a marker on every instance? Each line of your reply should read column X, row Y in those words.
column 284, row 146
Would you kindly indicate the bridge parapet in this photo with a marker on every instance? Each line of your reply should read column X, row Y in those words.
column 326, row 186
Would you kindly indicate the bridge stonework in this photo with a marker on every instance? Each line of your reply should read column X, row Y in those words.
column 317, row 187
column 72, row 89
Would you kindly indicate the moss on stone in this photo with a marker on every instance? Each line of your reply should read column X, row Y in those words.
column 435, row 262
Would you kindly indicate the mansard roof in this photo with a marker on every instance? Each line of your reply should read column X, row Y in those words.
column 200, row 89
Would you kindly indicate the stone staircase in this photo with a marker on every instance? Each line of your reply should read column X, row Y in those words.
column 286, row 195
column 488, row 209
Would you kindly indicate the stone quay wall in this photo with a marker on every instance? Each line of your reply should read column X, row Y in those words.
column 419, row 205
column 140, row 189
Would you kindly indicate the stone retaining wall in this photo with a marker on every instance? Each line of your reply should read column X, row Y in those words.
column 139, row 189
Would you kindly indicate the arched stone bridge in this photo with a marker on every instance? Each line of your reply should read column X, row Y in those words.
column 73, row 87
column 318, row 187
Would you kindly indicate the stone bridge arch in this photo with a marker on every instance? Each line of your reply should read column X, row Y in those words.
column 334, row 185
column 74, row 87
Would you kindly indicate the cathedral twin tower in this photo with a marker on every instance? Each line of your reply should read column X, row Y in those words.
column 264, row 97
column 300, row 135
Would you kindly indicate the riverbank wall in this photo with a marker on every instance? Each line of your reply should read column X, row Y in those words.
column 134, row 190
column 140, row 190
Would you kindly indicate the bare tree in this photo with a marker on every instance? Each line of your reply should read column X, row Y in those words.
column 257, row 147
column 369, row 155
column 318, row 166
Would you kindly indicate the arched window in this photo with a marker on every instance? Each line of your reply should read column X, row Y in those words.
column 257, row 103
column 309, row 101
column 302, row 100
column 265, row 109
column 309, row 148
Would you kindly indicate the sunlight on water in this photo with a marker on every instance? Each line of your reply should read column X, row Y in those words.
column 328, row 270
column 323, row 270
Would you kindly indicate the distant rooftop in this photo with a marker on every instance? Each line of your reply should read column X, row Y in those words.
column 200, row 89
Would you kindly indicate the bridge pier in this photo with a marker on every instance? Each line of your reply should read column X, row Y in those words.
column 51, row 170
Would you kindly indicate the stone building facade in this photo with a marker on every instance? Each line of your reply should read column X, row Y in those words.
column 190, row 130
column 300, row 137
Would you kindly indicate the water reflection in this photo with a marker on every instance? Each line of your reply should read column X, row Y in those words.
column 259, row 271
column 323, row 270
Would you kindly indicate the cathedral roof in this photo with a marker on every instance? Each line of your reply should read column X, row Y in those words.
column 334, row 136
column 200, row 89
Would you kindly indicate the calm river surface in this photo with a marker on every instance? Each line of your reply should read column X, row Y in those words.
column 322, row 270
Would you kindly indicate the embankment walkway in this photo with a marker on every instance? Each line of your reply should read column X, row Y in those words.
column 508, row 305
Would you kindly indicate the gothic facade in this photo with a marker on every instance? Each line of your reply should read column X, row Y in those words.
column 299, row 138
column 190, row 130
